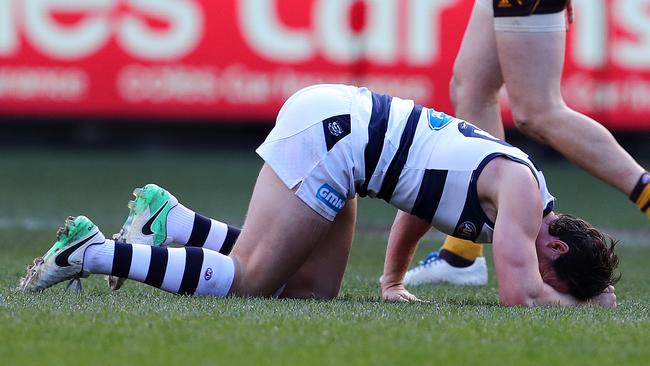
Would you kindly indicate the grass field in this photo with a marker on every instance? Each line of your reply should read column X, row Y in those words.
column 144, row 326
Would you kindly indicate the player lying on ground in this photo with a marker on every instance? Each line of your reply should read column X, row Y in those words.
column 521, row 43
column 330, row 143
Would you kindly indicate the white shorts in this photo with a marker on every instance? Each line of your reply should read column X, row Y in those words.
column 310, row 147
column 555, row 22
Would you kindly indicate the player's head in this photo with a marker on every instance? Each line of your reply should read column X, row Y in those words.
column 581, row 257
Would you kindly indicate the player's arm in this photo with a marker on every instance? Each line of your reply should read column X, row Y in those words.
column 515, row 257
column 406, row 232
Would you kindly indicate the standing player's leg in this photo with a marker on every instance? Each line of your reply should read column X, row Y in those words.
column 474, row 91
column 532, row 64
column 477, row 79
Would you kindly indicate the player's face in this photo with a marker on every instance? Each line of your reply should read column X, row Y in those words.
column 549, row 248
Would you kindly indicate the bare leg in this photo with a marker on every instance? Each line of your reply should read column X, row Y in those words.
column 474, row 91
column 532, row 66
column 279, row 235
column 322, row 273
column 477, row 77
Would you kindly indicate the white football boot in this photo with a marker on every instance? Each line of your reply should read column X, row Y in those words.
column 64, row 261
column 146, row 223
column 434, row 269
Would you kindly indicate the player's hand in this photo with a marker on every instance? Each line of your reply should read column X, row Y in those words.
column 399, row 294
column 569, row 11
column 607, row 298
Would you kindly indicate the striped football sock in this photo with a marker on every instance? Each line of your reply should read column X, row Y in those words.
column 459, row 252
column 194, row 230
column 185, row 271
column 641, row 194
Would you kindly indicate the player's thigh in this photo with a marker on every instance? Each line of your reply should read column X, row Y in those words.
column 532, row 64
column 322, row 273
column 278, row 235
column 476, row 71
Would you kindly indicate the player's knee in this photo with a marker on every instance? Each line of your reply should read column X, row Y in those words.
column 311, row 292
column 462, row 93
column 468, row 96
column 249, row 282
column 535, row 114
column 531, row 125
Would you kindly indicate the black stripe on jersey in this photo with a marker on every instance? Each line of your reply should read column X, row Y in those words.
column 192, row 272
column 377, row 127
column 430, row 193
column 397, row 164
column 472, row 218
column 335, row 128
column 122, row 260
column 229, row 242
column 157, row 267
column 200, row 231
column 549, row 207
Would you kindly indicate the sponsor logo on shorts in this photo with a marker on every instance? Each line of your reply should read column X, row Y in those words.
column 438, row 120
column 335, row 129
column 208, row 274
column 466, row 230
column 330, row 197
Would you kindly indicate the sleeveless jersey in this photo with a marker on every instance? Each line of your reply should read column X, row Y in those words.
column 427, row 163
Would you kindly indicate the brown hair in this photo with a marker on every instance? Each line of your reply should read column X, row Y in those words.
column 588, row 267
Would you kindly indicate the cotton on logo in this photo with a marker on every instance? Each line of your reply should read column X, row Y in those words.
column 74, row 29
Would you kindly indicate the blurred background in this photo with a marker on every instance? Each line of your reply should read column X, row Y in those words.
column 80, row 78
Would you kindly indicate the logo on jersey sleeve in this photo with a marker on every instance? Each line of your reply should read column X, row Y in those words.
column 330, row 197
column 438, row 120
column 469, row 130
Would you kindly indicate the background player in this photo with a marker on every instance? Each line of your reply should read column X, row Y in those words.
column 521, row 43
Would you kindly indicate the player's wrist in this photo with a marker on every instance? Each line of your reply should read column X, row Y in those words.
column 389, row 281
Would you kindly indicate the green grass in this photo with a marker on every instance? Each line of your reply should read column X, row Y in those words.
column 145, row 326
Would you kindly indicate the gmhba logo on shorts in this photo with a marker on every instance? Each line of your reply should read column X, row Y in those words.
column 330, row 197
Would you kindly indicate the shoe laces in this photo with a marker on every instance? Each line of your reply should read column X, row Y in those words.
column 430, row 259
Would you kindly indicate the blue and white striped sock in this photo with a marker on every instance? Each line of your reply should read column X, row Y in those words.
column 185, row 271
column 195, row 230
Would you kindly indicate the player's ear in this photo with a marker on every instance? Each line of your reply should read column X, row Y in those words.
column 557, row 247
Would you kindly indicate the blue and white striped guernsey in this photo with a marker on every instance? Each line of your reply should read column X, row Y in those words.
column 427, row 163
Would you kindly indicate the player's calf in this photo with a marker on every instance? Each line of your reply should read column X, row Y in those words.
column 156, row 218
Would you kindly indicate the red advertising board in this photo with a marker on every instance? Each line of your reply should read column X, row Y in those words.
column 239, row 59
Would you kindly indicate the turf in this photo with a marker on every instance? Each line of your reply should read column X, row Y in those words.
column 144, row 326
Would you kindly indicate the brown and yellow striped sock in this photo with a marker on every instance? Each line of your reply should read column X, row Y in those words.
column 459, row 252
column 641, row 194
